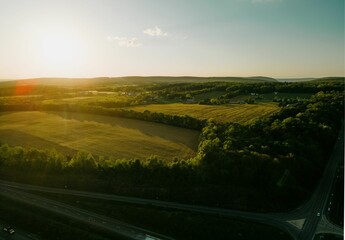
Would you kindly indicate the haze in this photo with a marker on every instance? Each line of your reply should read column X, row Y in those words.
column 89, row 38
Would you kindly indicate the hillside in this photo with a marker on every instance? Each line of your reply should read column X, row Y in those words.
column 135, row 80
column 261, row 78
column 240, row 113
column 324, row 79
column 310, row 79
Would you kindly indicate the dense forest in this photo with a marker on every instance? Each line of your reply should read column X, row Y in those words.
column 237, row 166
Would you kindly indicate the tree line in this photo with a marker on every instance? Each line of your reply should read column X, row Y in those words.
column 247, row 166
column 233, row 89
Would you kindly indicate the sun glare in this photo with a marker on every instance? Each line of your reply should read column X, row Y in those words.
column 60, row 51
column 58, row 48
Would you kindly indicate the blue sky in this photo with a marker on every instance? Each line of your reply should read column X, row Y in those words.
column 89, row 38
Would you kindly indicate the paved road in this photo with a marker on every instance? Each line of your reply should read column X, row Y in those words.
column 319, row 200
column 19, row 234
column 317, row 204
column 97, row 220
column 271, row 219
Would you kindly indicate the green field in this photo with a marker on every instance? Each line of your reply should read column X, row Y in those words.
column 99, row 135
column 240, row 113
column 88, row 99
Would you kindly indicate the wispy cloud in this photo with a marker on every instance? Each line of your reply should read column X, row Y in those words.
column 155, row 32
column 265, row 1
column 125, row 41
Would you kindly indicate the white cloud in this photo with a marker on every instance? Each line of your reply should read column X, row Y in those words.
column 155, row 32
column 125, row 41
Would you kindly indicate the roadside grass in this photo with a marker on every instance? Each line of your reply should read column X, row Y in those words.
column 99, row 135
column 240, row 113
column 37, row 223
column 328, row 236
column 336, row 213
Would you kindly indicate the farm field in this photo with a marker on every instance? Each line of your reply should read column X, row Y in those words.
column 99, row 135
column 88, row 99
column 239, row 113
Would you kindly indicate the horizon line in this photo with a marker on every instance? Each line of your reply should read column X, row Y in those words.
column 172, row 76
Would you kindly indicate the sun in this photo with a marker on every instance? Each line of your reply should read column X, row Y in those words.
column 60, row 51
column 58, row 48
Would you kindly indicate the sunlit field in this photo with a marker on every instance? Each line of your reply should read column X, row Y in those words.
column 171, row 119
column 240, row 113
column 99, row 135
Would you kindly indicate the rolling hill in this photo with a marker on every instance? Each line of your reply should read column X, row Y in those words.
column 135, row 80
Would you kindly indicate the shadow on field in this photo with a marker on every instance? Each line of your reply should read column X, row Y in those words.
column 14, row 137
column 185, row 136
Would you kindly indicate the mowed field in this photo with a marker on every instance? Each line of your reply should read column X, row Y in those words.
column 240, row 113
column 99, row 135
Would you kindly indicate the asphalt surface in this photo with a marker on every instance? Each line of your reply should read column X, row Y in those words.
column 319, row 200
column 309, row 211
column 97, row 220
column 18, row 235
column 270, row 219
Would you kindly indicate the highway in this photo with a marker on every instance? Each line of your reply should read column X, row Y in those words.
column 19, row 234
column 308, row 212
column 111, row 225
column 319, row 200
column 271, row 219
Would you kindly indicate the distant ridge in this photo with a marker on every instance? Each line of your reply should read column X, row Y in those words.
column 82, row 82
column 295, row 79
column 268, row 79
column 137, row 80
column 330, row 79
column 310, row 79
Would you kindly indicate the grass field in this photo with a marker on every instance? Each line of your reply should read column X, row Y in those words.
column 240, row 113
column 88, row 99
column 99, row 135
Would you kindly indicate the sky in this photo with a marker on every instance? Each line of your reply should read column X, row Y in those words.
column 110, row 38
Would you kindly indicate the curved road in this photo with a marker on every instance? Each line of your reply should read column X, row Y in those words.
column 307, row 215
column 19, row 235
column 111, row 225
column 271, row 219
column 319, row 201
